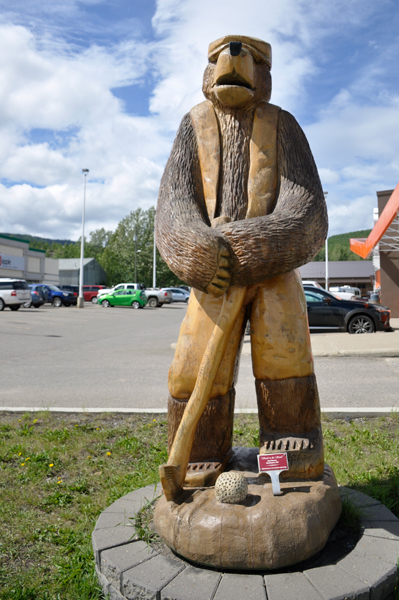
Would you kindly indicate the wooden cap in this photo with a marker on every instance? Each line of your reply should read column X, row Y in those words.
column 261, row 51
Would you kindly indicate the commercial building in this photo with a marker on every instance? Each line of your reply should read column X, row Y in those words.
column 18, row 260
column 383, row 242
column 93, row 273
column 356, row 273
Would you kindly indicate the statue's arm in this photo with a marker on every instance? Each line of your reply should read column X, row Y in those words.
column 292, row 234
column 195, row 252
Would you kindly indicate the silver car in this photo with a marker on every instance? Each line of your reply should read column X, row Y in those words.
column 178, row 294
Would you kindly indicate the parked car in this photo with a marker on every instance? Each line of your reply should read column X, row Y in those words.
column 346, row 292
column 13, row 293
column 70, row 288
column 312, row 283
column 178, row 294
column 326, row 312
column 155, row 297
column 36, row 300
column 133, row 298
column 55, row 296
column 90, row 292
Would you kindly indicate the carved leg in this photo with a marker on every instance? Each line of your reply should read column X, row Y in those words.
column 289, row 418
column 213, row 437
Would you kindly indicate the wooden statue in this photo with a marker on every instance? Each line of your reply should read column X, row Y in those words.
column 240, row 208
column 241, row 204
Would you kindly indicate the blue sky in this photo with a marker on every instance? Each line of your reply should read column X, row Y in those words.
column 103, row 85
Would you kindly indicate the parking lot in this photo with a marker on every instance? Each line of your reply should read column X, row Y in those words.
column 119, row 358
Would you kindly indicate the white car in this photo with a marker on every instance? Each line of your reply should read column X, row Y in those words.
column 13, row 293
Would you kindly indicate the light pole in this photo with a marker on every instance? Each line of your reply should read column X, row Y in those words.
column 154, row 269
column 135, row 256
column 326, row 253
column 81, row 300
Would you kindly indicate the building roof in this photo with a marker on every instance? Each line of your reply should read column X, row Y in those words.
column 71, row 264
column 338, row 269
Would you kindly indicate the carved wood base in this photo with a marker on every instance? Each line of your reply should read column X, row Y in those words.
column 261, row 532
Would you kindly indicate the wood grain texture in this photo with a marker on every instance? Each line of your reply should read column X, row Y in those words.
column 288, row 406
column 261, row 247
column 214, row 432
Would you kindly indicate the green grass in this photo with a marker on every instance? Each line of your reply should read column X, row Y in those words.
column 58, row 472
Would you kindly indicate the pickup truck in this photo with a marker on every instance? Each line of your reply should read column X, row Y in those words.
column 345, row 292
column 154, row 297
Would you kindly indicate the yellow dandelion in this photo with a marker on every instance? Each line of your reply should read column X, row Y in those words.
column 27, row 458
column 22, row 464
column 108, row 453
column 97, row 428
column 51, row 465
column 19, row 453
column 19, row 420
column 75, row 425
column 60, row 481
column 154, row 420
column 89, row 457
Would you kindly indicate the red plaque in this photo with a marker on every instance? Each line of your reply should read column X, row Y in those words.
column 273, row 462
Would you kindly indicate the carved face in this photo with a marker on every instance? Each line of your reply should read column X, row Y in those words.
column 235, row 78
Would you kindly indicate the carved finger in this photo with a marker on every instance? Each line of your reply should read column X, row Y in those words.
column 225, row 262
column 215, row 290
column 223, row 274
column 225, row 252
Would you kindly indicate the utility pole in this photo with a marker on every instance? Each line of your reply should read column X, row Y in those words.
column 326, row 253
column 81, row 301
column 135, row 254
column 154, row 268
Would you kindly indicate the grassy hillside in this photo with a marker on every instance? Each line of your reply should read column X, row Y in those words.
column 338, row 246
column 34, row 240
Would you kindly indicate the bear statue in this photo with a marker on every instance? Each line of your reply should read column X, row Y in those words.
column 241, row 205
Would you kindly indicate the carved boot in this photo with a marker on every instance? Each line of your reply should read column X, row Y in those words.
column 211, row 449
column 289, row 419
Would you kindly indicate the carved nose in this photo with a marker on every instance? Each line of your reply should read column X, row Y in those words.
column 235, row 48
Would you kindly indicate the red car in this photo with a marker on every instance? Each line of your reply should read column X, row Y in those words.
column 90, row 292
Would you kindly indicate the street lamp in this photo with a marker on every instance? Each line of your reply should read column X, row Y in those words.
column 154, row 270
column 326, row 253
column 81, row 300
column 135, row 256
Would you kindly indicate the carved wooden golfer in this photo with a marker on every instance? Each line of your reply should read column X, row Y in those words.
column 240, row 209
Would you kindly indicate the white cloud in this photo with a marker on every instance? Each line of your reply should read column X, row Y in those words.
column 49, row 82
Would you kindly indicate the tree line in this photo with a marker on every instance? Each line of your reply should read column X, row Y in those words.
column 116, row 251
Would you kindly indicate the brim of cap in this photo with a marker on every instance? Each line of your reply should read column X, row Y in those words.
column 261, row 50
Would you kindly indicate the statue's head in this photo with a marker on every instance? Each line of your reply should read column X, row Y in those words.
column 238, row 72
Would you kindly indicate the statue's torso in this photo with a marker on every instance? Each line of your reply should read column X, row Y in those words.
column 238, row 160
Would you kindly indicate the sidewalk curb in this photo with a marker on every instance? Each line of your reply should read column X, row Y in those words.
column 382, row 353
column 385, row 353
column 333, row 412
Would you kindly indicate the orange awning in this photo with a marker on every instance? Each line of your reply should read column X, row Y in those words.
column 363, row 246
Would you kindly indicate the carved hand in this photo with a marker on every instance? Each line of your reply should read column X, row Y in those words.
column 222, row 278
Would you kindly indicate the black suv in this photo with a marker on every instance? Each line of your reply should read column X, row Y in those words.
column 329, row 313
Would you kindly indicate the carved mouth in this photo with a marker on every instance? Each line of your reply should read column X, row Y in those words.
column 233, row 79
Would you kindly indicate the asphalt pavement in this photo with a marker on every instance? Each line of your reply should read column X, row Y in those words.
column 118, row 359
